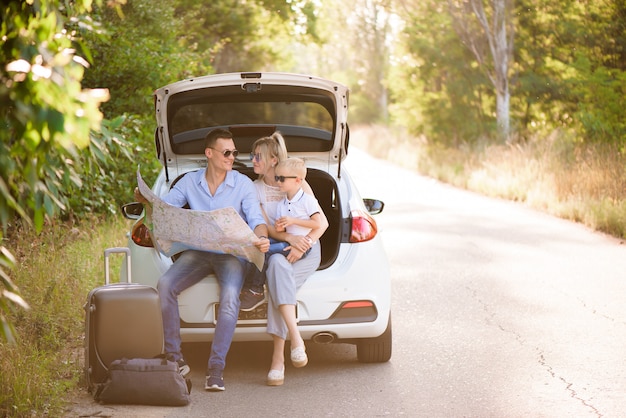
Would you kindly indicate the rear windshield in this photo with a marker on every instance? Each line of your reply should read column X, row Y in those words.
column 197, row 116
column 305, row 117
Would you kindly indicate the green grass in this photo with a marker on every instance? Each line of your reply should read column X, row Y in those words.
column 55, row 271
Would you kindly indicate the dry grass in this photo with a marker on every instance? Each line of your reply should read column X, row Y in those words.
column 582, row 183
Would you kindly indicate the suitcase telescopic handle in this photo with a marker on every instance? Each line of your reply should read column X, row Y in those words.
column 117, row 250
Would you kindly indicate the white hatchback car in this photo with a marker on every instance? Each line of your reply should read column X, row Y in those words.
column 348, row 299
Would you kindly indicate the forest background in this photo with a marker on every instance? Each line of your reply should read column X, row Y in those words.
column 517, row 99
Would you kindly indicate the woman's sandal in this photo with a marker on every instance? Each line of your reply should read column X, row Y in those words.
column 276, row 377
column 299, row 357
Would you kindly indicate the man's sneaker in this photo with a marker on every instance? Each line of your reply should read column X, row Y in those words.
column 250, row 299
column 214, row 382
column 183, row 367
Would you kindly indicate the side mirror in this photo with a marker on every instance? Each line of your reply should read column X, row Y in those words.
column 132, row 210
column 373, row 206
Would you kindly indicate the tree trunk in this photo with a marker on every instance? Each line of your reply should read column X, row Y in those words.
column 503, row 115
column 501, row 47
column 491, row 42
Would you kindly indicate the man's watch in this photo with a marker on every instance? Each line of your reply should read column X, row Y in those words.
column 309, row 239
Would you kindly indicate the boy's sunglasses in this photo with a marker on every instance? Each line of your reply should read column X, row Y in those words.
column 226, row 153
column 282, row 178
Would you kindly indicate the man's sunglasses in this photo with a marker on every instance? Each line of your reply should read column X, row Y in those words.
column 226, row 153
column 282, row 178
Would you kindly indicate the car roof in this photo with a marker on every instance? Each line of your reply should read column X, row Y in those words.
column 310, row 112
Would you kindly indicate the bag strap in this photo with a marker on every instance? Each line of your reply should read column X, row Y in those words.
column 99, row 388
column 164, row 362
column 163, row 358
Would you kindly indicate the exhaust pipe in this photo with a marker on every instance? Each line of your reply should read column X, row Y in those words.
column 324, row 337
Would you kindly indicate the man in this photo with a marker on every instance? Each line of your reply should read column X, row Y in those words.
column 215, row 187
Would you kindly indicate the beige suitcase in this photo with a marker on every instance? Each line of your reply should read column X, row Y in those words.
column 122, row 320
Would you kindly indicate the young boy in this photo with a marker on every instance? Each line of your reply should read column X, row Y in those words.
column 298, row 213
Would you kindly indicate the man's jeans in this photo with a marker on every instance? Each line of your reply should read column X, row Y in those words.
column 191, row 267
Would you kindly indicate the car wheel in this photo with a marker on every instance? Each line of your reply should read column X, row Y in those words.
column 375, row 350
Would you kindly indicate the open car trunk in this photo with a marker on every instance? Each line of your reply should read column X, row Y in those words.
column 324, row 187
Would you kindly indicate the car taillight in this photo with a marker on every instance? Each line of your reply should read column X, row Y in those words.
column 141, row 235
column 363, row 227
column 356, row 311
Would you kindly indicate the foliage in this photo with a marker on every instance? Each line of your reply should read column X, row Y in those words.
column 600, row 110
column 136, row 52
column 437, row 89
column 371, row 23
column 47, row 115
column 152, row 44
column 568, row 73
column 229, row 35
column 108, row 171
column 47, row 118
column 485, row 28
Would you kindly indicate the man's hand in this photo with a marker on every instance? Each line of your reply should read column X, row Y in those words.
column 294, row 254
column 263, row 244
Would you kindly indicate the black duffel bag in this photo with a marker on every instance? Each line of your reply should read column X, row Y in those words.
column 140, row 381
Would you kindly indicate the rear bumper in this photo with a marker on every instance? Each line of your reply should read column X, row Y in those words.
column 340, row 332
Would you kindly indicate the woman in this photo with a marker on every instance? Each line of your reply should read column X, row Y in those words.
column 285, row 274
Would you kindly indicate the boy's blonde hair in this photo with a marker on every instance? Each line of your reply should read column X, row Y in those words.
column 293, row 166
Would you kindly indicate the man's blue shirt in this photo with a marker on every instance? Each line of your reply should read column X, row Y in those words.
column 236, row 191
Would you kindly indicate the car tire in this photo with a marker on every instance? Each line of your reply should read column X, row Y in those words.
column 375, row 350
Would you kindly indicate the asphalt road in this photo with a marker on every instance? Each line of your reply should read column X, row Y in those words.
column 498, row 311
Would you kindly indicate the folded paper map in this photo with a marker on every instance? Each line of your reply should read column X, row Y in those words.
column 175, row 229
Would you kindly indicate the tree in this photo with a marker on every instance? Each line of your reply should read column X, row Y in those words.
column 436, row 88
column 570, row 68
column 371, row 29
column 353, row 47
column 46, row 119
column 490, row 38
column 231, row 35
column 137, row 51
